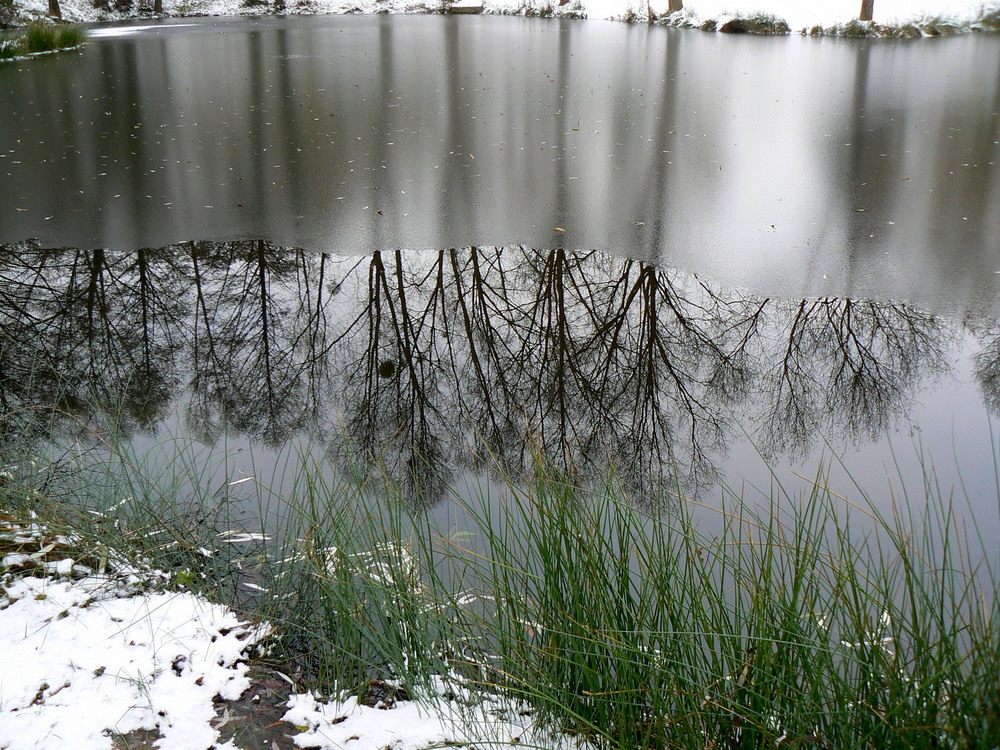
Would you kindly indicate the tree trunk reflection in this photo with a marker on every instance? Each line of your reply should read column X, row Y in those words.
column 425, row 364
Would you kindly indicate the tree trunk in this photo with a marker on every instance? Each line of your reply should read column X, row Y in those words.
column 675, row 5
column 54, row 9
column 279, row 6
column 867, row 6
column 158, row 7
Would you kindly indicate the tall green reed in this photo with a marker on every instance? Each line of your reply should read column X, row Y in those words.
column 807, row 619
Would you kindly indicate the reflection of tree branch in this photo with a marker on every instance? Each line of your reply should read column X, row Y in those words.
column 92, row 327
column 248, row 371
column 666, row 356
column 987, row 360
column 391, row 387
column 592, row 360
column 848, row 367
column 475, row 335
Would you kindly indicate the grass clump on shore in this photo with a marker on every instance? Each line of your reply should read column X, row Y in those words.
column 753, row 23
column 799, row 617
column 39, row 37
column 757, row 23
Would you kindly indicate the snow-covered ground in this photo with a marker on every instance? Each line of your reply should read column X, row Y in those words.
column 87, row 656
column 799, row 14
column 82, row 658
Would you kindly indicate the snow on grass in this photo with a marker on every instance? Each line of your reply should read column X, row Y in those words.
column 799, row 14
column 90, row 658
column 408, row 725
column 803, row 14
column 87, row 655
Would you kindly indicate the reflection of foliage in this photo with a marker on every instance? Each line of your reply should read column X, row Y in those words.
column 426, row 360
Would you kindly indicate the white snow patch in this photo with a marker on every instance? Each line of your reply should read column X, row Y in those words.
column 122, row 31
column 89, row 657
column 84, row 658
column 412, row 726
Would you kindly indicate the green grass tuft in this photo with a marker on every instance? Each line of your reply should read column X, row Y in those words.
column 70, row 35
column 40, row 37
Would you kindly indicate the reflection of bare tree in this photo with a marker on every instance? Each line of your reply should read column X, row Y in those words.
column 258, row 329
column 582, row 357
column 987, row 361
column 82, row 325
column 848, row 367
column 81, row 328
column 425, row 361
column 672, row 357
column 988, row 373
column 391, row 376
column 615, row 361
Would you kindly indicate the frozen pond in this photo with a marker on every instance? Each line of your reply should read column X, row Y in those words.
column 784, row 245
column 781, row 165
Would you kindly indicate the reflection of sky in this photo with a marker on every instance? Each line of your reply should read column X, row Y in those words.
column 788, row 166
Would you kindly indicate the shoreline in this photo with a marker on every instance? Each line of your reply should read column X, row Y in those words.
column 757, row 22
column 123, row 595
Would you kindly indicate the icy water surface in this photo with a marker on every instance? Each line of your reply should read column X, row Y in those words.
column 788, row 166
column 783, row 247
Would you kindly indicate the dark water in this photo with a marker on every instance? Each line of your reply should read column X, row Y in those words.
column 797, row 246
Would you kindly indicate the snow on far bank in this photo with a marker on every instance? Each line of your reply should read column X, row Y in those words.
column 799, row 14
column 804, row 14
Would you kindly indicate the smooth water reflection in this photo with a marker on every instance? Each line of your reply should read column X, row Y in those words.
column 789, row 166
column 441, row 364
